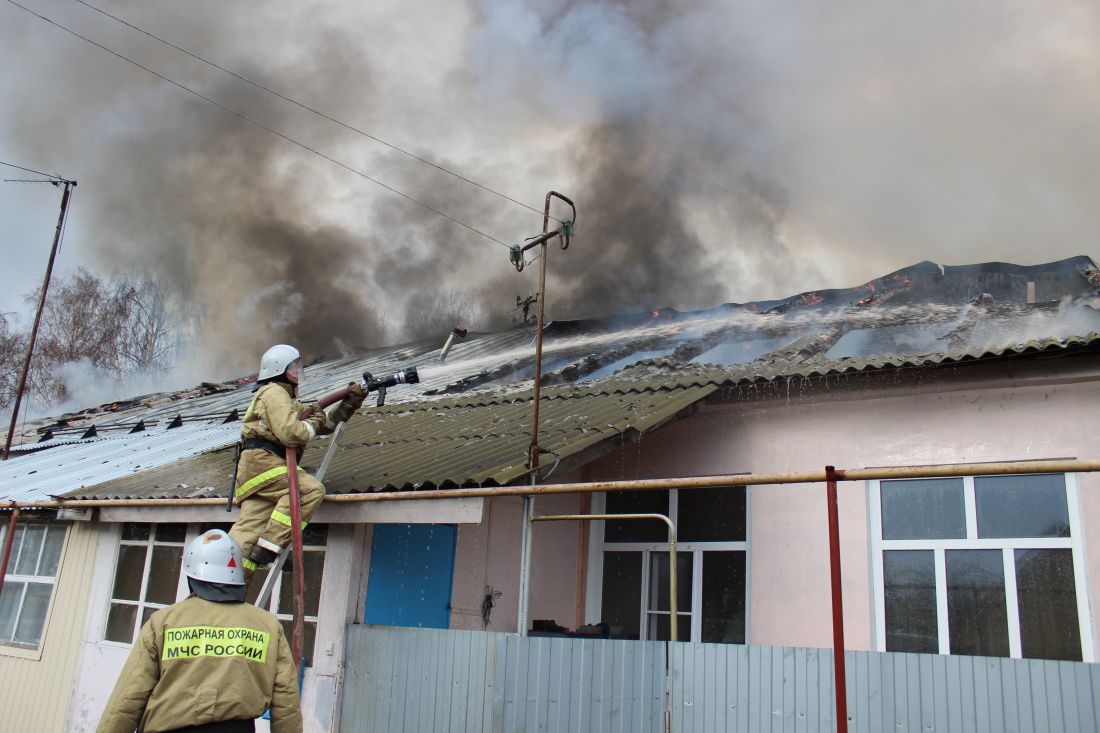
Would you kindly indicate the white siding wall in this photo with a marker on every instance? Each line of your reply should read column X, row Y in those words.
column 34, row 693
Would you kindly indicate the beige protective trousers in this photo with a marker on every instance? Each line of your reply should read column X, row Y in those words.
column 266, row 513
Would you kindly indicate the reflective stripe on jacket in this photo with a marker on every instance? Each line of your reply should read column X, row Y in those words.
column 273, row 415
column 198, row 662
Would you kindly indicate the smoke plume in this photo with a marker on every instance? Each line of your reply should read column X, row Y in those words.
column 717, row 151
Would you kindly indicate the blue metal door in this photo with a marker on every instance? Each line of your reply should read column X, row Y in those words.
column 411, row 567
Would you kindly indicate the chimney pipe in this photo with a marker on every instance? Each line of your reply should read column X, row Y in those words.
column 1030, row 292
column 456, row 331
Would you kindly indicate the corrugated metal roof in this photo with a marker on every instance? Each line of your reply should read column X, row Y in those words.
column 59, row 470
column 450, row 442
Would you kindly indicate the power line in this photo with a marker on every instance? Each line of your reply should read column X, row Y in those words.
column 52, row 176
column 259, row 124
column 308, row 108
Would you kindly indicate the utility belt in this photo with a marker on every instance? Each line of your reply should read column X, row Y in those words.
column 270, row 446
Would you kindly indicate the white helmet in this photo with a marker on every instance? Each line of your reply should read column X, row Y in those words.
column 275, row 361
column 214, row 557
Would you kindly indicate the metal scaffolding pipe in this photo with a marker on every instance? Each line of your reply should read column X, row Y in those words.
column 840, row 686
column 590, row 487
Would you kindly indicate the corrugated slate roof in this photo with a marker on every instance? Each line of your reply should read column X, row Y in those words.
column 449, row 442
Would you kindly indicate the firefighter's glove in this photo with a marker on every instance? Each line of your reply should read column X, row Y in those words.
column 356, row 395
column 317, row 418
column 349, row 404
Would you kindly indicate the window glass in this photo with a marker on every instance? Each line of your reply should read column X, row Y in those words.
column 35, row 554
column 1048, row 604
column 658, row 628
column 120, row 623
column 51, row 551
column 256, row 585
column 923, row 509
column 977, row 613
column 315, row 535
column 659, row 581
column 9, row 607
column 724, row 597
column 30, row 549
column 633, row 530
column 32, row 619
column 164, row 574
column 1022, row 506
column 315, row 565
column 659, row 608
column 171, row 532
column 150, row 556
column 309, row 634
column 910, row 592
column 711, row 515
column 622, row 593
column 129, row 572
column 137, row 531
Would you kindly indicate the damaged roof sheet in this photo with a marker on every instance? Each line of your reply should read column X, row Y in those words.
column 478, row 440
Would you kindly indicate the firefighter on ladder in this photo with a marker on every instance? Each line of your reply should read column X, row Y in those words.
column 210, row 662
column 275, row 422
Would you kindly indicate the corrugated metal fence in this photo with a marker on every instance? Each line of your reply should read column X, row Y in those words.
column 440, row 680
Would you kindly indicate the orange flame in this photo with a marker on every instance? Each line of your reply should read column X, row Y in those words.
column 809, row 299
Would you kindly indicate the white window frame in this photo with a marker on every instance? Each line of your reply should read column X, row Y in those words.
column 181, row 582
column 276, row 594
column 597, row 548
column 182, row 589
column 1007, row 546
column 20, row 649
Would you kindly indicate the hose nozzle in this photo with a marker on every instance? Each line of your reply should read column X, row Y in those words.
column 407, row 376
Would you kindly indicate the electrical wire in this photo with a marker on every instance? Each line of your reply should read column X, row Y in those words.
column 259, row 124
column 315, row 111
column 37, row 173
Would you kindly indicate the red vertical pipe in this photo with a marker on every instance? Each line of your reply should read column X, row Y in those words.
column 839, row 683
column 296, row 639
column 7, row 544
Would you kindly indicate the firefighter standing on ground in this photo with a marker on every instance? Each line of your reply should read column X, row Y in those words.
column 274, row 422
column 210, row 662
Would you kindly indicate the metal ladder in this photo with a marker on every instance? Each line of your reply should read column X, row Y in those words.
column 276, row 568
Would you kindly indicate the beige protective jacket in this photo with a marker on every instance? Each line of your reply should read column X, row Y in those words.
column 274, row 415
column 199, row 662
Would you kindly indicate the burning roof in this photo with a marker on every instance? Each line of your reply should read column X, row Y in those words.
column 921, row 315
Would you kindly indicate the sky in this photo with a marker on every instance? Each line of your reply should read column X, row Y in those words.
column 717, row 152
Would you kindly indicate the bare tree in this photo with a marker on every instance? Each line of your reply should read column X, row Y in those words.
column 13, row 346
column 154, row 325
column 117, row 328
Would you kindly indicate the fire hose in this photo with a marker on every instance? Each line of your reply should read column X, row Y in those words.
column 406, row 376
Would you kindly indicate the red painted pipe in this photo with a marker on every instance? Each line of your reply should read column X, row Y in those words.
column 839, row 682
column 298, row 636
column 7, row 544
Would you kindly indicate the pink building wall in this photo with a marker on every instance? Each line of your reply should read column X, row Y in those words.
column 998, row 413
